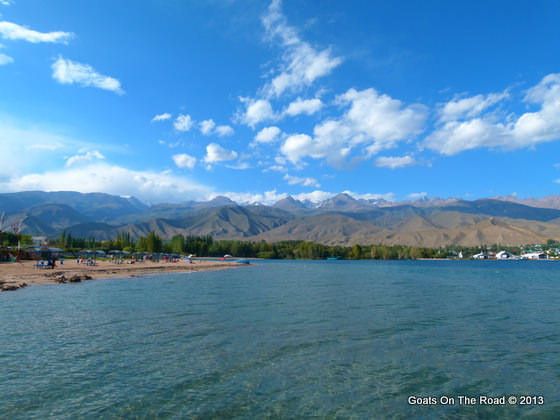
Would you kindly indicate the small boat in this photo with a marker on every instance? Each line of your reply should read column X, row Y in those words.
column 333, row 258
column 243, row 262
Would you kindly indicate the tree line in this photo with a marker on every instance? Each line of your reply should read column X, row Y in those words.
column 207, row 246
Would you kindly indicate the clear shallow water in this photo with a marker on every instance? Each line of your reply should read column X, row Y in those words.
column 339, row 339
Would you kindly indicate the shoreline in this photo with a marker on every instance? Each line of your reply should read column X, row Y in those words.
column 14, row 276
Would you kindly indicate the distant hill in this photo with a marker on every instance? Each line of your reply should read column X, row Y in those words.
column 52, row 217
column 486, row 232
column 329, row 229
column 344, row 202
column 174, row 211
column 500, row 208
column 95, row 206
column 549, row 202
column 289, row 204
column 339, row 220
column 228, row 222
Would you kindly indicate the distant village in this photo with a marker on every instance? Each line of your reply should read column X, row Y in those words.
column 535, row 253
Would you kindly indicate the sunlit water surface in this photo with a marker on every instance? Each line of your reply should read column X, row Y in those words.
column 335, row 339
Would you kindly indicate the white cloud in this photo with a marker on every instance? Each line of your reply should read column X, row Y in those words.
column 268, row 135
column 297, row 146
column 148, row 186
column 161, row 117
column 416, row 196
column 373, row 122
column 240, row 166
column 544, row 124
column 306, row 182
column 371, row 196
column 271, row 197
column 380, row 118
column 224, row 130
column 6, row 2
column 489, row 130
column 70, row 72
column 84, row 158
column 275, row 168
column 183, row 160
column 216, row 153
column 301, row 106
column 183, row 123
column 314, row 196
column 207, row 126
column 457, row 136
column 394, row 162
column 469, row 107
column 302, row 64
column 268, row 197
column 256, row 111
column 13, row 31
column 5, row 59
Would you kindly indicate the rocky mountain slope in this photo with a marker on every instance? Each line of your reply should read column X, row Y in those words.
column 340, row 220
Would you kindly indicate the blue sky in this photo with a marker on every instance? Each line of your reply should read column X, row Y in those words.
column 173, row 100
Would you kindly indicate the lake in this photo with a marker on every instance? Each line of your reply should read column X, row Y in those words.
column 288, row 339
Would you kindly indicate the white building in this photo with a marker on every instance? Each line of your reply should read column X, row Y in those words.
column 534, row 256
column 481, row 256
column 504, row 255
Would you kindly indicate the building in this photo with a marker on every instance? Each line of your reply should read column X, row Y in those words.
column 535, row 256
column 504, row 255
column 480, row 256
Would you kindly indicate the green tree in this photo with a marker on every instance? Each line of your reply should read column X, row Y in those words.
column 356, row 252
column 178, row 244
column 153, row 242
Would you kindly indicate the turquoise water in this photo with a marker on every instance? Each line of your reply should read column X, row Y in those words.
column 338, row 339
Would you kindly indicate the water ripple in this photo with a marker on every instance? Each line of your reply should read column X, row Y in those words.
column 285, row 340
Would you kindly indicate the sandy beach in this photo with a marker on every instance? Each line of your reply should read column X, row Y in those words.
column 17, row 275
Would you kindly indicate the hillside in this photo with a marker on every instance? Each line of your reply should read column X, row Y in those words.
column 329, row 229
column 486, row 232
column 340, row 220
column 94, row 206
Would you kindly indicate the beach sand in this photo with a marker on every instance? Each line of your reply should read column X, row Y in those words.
column 16, row 275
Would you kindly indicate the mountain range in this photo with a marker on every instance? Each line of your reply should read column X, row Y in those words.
column 339, row 220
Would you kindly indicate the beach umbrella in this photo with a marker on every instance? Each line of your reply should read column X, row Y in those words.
column 55, row 251
column 88, row 252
